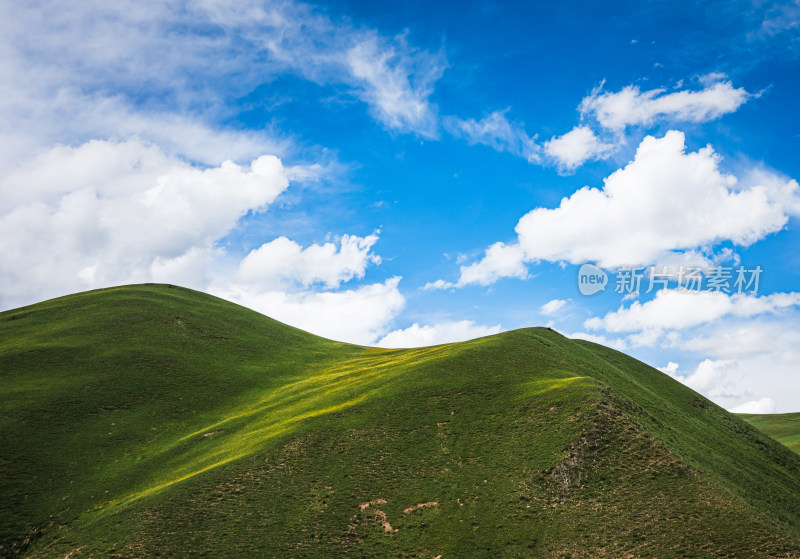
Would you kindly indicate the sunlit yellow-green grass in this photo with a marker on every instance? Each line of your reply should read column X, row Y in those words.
column 783, row 427
column 157, row 421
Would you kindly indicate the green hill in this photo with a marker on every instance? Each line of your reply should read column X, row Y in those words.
column 783, row 427
column 153, row 420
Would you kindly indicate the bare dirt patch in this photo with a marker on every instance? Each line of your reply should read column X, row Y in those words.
column 421, row 505
column 381, row 516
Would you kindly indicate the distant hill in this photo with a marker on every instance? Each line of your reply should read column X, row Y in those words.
column 153, row 420
column 783, row 427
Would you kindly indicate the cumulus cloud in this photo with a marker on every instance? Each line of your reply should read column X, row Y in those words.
column 115, row 167
column 762, row 405
column 616, row 343
column 360, row 315
column 670, row 369
column 499, row 261
column 739, row 339
column 439, row 333
column 282, row 261
column 681, row 309
column 576, row 147
column 631, row 106
column 552, row 307
column 660, row 208
column 495, row 130
column 708, row 375
column 107, row 213
column 746, row 346
column 733, row 385
column 126, row 213
column 664, row 200
column 438, row 284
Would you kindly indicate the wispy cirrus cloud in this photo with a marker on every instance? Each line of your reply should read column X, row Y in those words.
column 394, row 78
column 497, row 132
column 166, row 72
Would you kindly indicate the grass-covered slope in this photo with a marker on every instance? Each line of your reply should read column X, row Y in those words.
column 154, row 420
column 783, row 427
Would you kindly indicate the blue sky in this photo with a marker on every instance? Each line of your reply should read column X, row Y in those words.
column 427, row 173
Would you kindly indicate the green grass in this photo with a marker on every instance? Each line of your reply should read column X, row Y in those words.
column 783, row 427
column 157, row 421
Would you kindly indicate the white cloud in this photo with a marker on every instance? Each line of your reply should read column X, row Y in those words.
column 631, row 106
column 282, row 261
column 114, row 167
column 396, row 82
column 747, row 347
column 440, row 333
column 670, row 369
column 664, row 200
column 359, row 315
column 739, row 339
column 499, row 261
column 552, row 307
column 165, row 72
column 575, row 147
column 616, row 343
column 732, row 384
column 709, row 374
column 762, row 405
column 680, row 309
column 659, row 209
column 495, row 131
column 392, row 77
column 438, row 284
column 106, row 213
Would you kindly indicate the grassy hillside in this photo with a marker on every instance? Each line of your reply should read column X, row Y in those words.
column 157, row 421
column 783, row 427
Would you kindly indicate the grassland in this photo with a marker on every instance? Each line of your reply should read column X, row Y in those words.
column 783, row 427
column 153, row 420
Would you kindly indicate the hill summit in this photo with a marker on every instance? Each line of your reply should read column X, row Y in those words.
column 153, row 420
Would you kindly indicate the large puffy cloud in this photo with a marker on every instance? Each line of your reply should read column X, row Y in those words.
column 494, row 130
column 439, row 333
column 283, row 261
column 631, row 106
column 106, row 212
column 303, row 287
column 664, row 201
